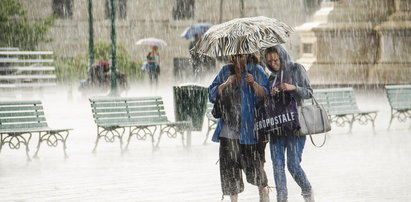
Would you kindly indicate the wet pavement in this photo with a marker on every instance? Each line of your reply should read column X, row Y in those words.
column 359, row 166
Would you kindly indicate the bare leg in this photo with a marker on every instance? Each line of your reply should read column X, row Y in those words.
column 234, row 198
column 264, row 194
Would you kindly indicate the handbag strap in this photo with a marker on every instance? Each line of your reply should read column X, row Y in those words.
column 325, row 135
column 275, row 79
column 322, row 144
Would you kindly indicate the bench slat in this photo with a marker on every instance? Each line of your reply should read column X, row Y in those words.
column 126, row 115
column 16, row 77
column 28, row 102
column 22, row 120
column 23, row 69
column 124, row 104
column 22, row 114
column 333, row 90
column 105, row 99
column 20, row 126
column 137, row 109
column 397, row 86
column 26, row 85
column 132, row 120
column 6, row 60
column 26, row 52
column 21, row 108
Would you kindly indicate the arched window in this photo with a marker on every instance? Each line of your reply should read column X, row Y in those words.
column 121, row 9
column 63, row 8
column 184, row 9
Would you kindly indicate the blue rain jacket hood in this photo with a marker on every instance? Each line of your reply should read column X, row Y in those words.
column 296, row 72
column 248, row 100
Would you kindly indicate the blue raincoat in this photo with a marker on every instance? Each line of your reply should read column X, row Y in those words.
column 248, row 100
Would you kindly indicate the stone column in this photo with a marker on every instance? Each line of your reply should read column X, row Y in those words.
column 308, row 45
column 347, row 45
column 394, row 59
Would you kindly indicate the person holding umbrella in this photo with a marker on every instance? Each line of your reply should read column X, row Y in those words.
column 153, row 61
column 238, row 87
column 153, row 57
column 202, row 63
column 298, row 86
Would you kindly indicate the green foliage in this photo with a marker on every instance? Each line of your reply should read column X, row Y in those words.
column 75, row 68
column 102, row 51
column 71, row 69
column 16, row 31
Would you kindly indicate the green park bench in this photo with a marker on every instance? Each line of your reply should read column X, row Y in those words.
column 143, row 116
column 26, row 69
column 20, row 119
column 211, row 123
column 342, row 107
column 399, row 97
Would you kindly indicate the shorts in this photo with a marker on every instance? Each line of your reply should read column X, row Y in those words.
column 236, row 157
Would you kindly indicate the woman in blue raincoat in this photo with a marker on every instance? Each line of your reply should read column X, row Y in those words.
column 298, row 86
column 241, row 84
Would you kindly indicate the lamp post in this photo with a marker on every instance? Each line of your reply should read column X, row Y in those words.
column 90, row 33
column 114, row 88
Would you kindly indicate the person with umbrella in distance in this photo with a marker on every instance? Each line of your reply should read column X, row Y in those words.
column 196, row 61
column 238, row 87
column 202, row 63
column 153, row 57
column 298, row 87
column 153, row 61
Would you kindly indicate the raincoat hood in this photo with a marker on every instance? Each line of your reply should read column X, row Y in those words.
column 285, row 59
column 293, row 73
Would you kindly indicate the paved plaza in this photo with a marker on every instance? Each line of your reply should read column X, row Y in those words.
column 352, row 167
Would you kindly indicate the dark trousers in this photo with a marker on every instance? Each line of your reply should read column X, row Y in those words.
column 235, row 157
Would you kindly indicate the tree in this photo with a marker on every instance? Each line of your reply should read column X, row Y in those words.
column 16, row 31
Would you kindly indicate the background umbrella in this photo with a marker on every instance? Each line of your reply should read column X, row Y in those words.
column 242, row 36
column 151, row 42
column 198, row 28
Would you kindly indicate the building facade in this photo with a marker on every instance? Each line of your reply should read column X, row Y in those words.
column 164, row 19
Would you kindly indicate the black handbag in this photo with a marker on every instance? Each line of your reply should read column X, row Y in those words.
column 217, row 112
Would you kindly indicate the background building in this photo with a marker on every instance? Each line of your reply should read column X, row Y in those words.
column 162, row 19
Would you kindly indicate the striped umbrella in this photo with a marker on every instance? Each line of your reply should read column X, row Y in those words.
column 242, row 36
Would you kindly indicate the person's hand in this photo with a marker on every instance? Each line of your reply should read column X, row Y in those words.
column 231, row 79
column 249, row 78
column 287, row 87
column 274, row 91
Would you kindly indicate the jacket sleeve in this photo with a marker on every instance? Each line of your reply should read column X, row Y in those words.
column 262, row 80
column 213, row 88
column 304, row 90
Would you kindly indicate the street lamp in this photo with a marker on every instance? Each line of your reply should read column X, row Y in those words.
column 114, row 88
column 90, row 33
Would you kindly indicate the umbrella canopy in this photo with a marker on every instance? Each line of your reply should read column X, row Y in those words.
column 151, row 42
column 198, row 28
column 242, row 36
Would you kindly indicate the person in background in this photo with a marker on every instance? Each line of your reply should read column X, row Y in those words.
column 240, row 84
column 196, row 59
column 99, row 74
column 298, row 86
column 153, row 60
